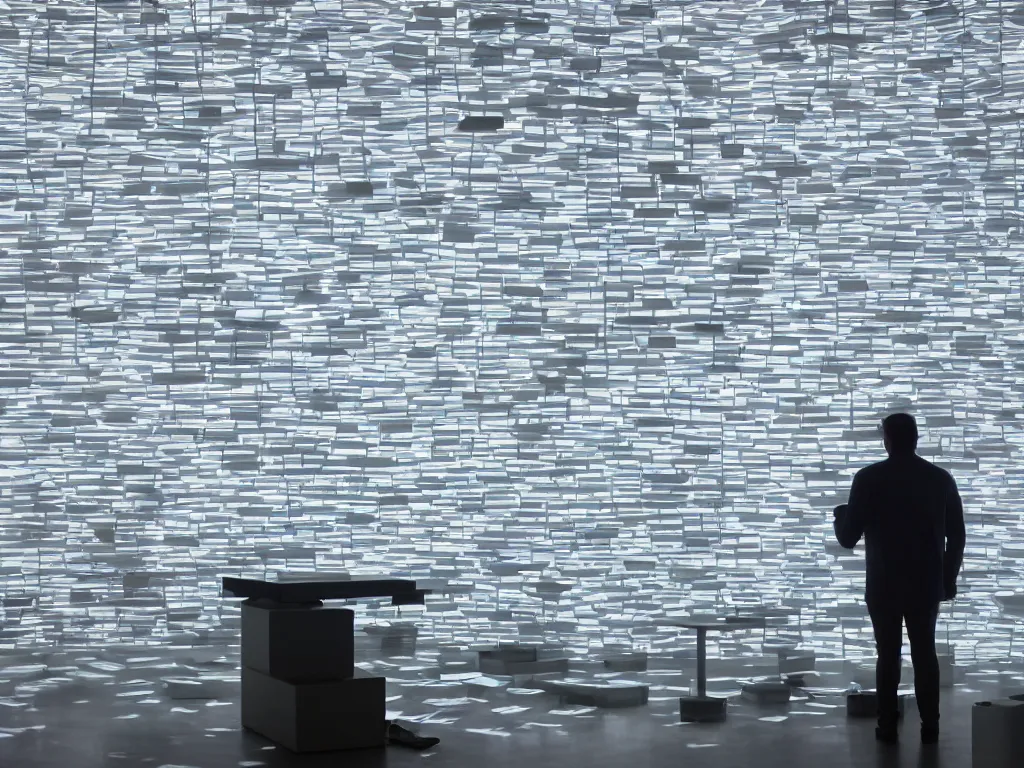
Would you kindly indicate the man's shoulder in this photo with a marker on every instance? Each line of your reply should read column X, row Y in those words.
column 883, row 468
column 871, row 470
column 934, row 468
column 942, row 473
column 869, row 476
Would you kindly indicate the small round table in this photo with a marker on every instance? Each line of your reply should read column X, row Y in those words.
column 703, row 708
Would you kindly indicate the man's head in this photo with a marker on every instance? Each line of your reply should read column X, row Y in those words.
column 899, row 433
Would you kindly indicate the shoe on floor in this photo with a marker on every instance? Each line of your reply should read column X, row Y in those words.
column 403, row 737
column 887, row 735
column 929, row 735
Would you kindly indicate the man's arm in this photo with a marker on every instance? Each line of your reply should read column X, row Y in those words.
column 956, row 540
column 849, row 522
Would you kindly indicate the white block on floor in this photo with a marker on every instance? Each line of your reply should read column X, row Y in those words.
column 947, row 670
column 997, row 734
column 298, row 644
column 796, row 663
column 766, row 692
column 397, row 639
column 598, row 693
column 862, row 674
column 635, row 661
column 509, row 668
column 315, row 717
column 864, row 703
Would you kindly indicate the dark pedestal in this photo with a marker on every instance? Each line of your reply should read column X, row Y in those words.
column 315, row 717
column 702, row 709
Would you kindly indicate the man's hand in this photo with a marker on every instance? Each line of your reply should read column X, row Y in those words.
column 847, row 528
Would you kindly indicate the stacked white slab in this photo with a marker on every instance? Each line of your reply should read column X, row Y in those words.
column 395, row 639
column 299, row 684
column 997, row 733
column 514, row 660
column 796, row 663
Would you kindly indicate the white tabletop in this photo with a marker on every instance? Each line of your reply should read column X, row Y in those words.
column 717, row 623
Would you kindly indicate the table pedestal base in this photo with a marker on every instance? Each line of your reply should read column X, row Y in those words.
column 702, row 709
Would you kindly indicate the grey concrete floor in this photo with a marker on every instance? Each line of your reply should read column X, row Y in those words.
column 122, row 717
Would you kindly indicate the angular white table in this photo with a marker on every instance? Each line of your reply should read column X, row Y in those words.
column 703, row 708
column 300, row 687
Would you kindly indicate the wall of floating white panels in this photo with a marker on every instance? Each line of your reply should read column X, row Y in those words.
column 266, row 307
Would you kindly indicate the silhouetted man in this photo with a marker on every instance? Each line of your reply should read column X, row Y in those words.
column 909, row 512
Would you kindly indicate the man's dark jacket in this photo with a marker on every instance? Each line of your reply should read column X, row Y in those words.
column 909, row 512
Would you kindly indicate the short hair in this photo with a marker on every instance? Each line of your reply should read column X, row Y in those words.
column 900, row 430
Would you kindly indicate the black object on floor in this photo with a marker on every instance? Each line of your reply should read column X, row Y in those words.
column 403, row 737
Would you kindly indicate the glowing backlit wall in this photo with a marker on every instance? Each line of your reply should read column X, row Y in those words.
column 275, row 295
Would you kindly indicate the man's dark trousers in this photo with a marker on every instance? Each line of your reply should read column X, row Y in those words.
column 887, row 618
